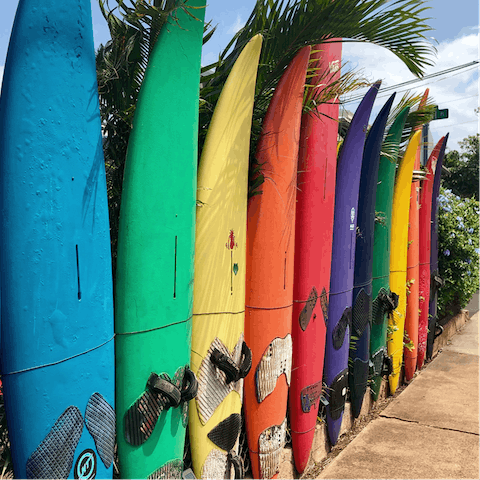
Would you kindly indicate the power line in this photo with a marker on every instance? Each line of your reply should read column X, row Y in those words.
column 473, row 64
column 455, row 124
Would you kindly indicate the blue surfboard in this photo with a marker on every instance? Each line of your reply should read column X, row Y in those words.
column 57, row 349
column 359, row 353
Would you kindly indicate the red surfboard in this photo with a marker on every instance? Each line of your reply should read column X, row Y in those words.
column 317, row 165
column 424, row 250
column 269, row 273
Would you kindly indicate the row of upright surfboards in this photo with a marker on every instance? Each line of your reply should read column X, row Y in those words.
column 220, row 300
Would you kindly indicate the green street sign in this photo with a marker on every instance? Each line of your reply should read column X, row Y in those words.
column 440, row 114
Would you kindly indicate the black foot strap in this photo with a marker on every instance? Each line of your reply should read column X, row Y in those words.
column 233, row 372
column 337, row 394
column 161, row 394
column 438, row 330
column 236, row 462
column 387, row 365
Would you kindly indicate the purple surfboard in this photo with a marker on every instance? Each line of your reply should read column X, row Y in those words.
column 349, row 165
column 435, row 281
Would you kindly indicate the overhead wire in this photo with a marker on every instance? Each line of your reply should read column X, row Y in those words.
column 469, row 66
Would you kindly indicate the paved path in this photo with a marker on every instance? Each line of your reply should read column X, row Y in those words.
column 431, row 429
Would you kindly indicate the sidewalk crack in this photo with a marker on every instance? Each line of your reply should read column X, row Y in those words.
column 426, row 425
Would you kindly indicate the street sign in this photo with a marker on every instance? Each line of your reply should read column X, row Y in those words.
column 440, row 114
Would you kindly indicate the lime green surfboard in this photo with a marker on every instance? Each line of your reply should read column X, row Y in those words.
column 154, row 289
column 383, row 300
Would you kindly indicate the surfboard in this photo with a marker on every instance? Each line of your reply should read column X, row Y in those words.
column 313, row 251
column 359, row 352
column 398, row 257
column 410, row 350
column 56, row 277
column 435, row 280
column 154, row 289
column 349, row 165
column 384, row 300
column 269, row 274
column 425, row 216
column 219, row 286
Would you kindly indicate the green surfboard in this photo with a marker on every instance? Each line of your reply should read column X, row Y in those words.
column 381, row 294
column 154, row 289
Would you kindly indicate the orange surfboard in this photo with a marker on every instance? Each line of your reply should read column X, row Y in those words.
column 269, row 273
column 411, row 318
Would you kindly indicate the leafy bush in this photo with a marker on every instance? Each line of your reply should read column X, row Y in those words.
column 458, row 252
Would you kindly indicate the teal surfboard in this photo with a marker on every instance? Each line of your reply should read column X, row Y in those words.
column 154, row 289
column 56, row 281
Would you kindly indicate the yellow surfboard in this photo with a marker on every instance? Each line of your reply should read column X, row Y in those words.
column 398, row 257
column 219, row 356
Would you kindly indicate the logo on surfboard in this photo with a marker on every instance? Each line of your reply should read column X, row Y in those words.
column 352, row 218
column 86, row 465
column 231, row 245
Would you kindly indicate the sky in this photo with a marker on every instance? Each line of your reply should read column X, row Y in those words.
column 455, row 35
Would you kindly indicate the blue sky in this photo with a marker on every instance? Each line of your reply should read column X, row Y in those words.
column 455, row 31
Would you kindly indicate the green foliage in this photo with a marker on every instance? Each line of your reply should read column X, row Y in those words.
column 121, row 63
column 463, row 179
column 289, row 25
column 6, row 467
column 417, row 116
column 458, row 255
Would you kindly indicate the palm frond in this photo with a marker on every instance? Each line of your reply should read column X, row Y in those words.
column 288, row 25
column 415, row 119
column 324, row 86
column 121, row 63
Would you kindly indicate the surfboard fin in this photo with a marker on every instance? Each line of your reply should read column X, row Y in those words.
column 53, row 458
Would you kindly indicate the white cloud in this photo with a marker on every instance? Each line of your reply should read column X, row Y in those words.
column 1, row 74
column 457, row 91
column 235, row 27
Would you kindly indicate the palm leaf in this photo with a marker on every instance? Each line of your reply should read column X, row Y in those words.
column 288, row 25
column 121, row 63
column 415, row 119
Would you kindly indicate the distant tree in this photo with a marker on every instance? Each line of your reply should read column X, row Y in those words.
column 463, row 179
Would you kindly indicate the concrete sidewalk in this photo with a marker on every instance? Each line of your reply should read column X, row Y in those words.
column 431, row 430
